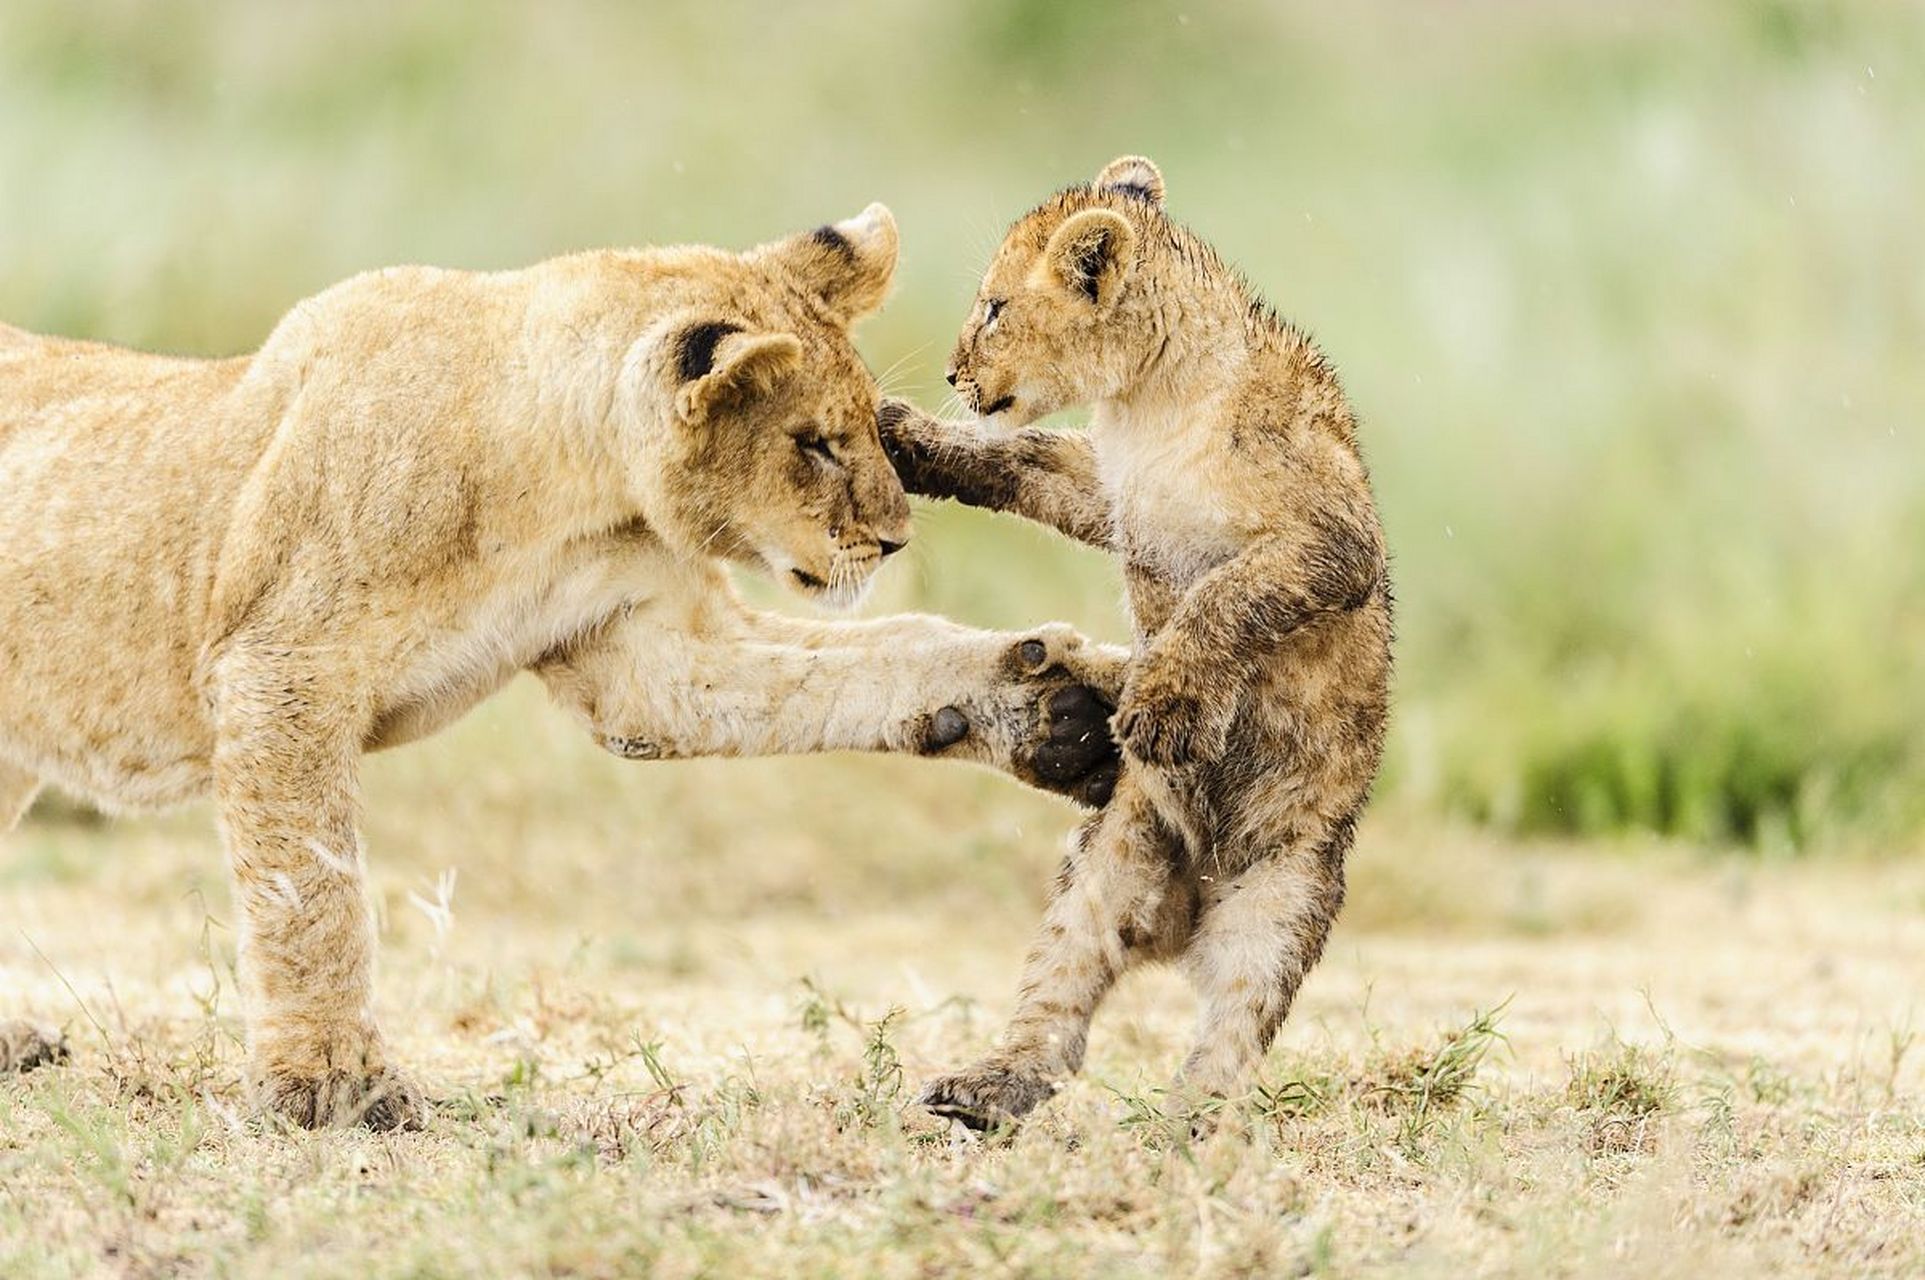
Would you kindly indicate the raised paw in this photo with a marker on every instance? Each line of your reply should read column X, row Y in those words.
column 1070, row 749
column 987, row 1096
column 1169, row 726
column 1076, row 755
column 1039, row 715
column 894, row 417
column 1066, row 745
column 909, row 441
column 1052, row 645
column 381, row 1100
column 26, row 1045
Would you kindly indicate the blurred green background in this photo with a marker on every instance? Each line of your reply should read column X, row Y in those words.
column 1631, row 298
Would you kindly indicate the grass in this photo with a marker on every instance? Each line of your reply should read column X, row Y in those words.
column 1630, row 298
column 674, row 1056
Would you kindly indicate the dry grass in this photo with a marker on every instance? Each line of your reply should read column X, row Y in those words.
column 1631, row 299
column 675, row 1015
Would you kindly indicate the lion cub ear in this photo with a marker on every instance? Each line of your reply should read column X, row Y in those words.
column 1091, row 254
column 720, row 367
column 848, row 264
column 1133, row 176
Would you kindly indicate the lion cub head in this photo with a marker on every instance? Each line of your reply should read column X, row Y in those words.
column 763, row 418
column 1062, row 317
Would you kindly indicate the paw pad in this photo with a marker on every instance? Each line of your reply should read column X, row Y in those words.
column 946, row 728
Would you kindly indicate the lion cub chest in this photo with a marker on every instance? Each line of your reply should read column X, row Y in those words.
column 1165, row 478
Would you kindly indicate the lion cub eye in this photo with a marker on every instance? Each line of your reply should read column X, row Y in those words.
column 991, row 310
column 812, row 443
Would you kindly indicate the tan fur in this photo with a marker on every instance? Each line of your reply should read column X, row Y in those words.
column 1222, row 465
column 239, row 574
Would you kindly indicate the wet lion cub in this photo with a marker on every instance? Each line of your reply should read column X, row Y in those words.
column 1222, row 465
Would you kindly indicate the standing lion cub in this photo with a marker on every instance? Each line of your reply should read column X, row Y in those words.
column 1222, row 466
column 238, row 575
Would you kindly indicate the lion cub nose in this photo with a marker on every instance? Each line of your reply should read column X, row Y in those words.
column 950, row 375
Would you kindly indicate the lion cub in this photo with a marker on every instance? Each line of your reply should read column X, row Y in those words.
column 236, row 576
column 1222, row 465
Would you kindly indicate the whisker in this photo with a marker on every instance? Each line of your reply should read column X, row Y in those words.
column 842, row 580
column 896, row 378
column 883, row 378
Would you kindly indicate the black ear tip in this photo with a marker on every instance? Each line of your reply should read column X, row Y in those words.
column 1136, row 177
column 695, row 349
column 832, row 239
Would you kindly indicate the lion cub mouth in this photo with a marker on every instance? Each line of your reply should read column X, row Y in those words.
column 808, row 580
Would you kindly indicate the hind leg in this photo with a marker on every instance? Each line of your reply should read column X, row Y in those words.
column 1122, row 898
column 1256, row 939
column 23, row 1045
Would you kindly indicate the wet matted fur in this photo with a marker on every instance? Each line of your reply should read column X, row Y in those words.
column 1222, row 466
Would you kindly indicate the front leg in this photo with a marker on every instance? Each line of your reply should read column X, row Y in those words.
column 1046, row 476
column 1178, row 707
column 1044, row 716
column 23, row 1045
column 1033, row 704
column 286, row 788
column 1187, row 688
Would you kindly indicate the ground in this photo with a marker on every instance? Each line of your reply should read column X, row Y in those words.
column 675, row 1016
column 1630, row 298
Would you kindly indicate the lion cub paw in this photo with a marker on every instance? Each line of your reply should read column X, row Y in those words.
column 381, row 1100
column 907, row 433
column 1039, row 714
column 1163, row 722
column 1054, row 644
column 1057, row 692
column 987, row 1096
column 26, row 1045
column 1069, row 748
column 1072, row 751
